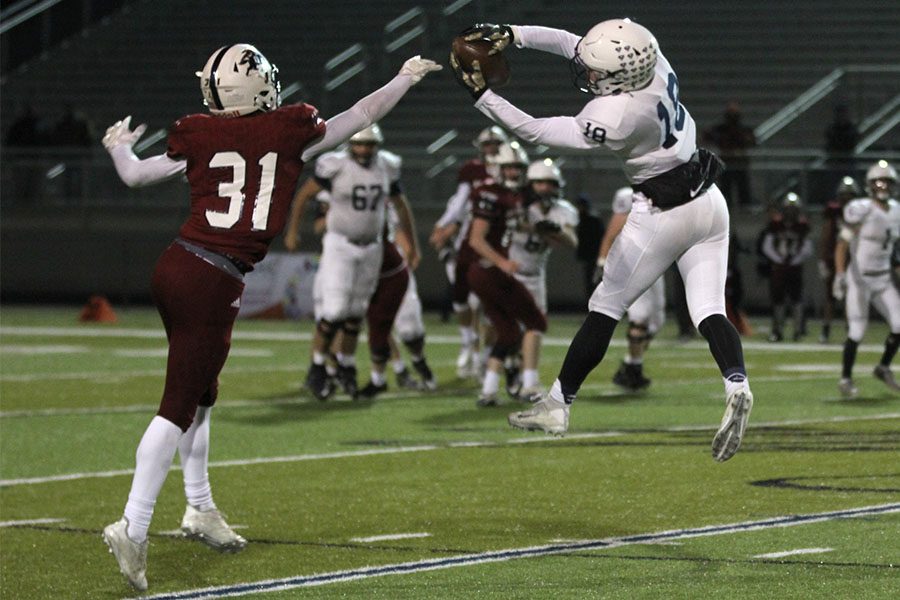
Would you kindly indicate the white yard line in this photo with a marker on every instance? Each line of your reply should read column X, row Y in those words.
column 465, row 560
column 20, row 522
column 425, row 448
column 390, row 537
column 794, row 552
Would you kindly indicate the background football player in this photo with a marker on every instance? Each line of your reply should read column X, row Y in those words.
column 832, row 217
column 496, row 212
column 360, row 180
column 646, row 315
column 862, row 265
column 250, row 147
column 447, row 237
column 548, row 221
column 787, row 245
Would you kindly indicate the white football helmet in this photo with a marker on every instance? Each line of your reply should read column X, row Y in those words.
column 881, row 179
column 370, row 135
column 490, row 134
column 511, row 155
column 848, row 188
column 615, row 56
column 238, row 80
column 545, row 170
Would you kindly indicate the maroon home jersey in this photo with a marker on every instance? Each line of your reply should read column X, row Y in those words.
column 242, row 172
column 500, row 206
column 474, row 172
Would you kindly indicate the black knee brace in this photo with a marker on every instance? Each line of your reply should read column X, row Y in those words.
column 638, row 333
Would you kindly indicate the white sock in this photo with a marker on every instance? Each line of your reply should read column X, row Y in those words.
column 733, row 386
column 346, row 360
column 530, row 378
column 630, row 360
column 491, row 384
column 555, row 394
column 468, row 335
column 376, row 377
column 193, row 448
column 153, row 459
column 318, row 358
column 398, row 365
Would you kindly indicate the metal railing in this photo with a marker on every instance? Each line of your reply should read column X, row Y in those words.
column 411, row 26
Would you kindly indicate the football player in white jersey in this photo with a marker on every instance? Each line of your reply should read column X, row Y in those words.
column 549, row 221
column 871, row 227
column 646, row 315
column 678, row 215
column 359, row 180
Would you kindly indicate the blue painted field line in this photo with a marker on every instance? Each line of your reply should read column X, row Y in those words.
column 273, row 585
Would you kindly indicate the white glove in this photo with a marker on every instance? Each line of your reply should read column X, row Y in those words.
column 418, row 67
column 839, row 287
column 120, row 134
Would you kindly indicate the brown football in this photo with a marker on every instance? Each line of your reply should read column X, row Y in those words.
column 494, row 67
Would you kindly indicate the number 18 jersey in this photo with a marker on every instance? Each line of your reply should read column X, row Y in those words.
column 242, row 173
column 358, row 192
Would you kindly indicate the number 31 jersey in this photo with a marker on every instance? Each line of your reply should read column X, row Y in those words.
column 358, row 192
column 242, row 173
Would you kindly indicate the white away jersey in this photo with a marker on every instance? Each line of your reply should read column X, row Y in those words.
column 529, row 249
column 876, row 230
column 649, row 130
column 358, row 193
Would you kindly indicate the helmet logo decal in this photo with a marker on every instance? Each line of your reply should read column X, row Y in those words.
column 251, row 59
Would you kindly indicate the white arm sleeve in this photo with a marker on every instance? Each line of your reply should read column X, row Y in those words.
column 456, row 206
column 137, row 173
column 366, row 111
column 768, row 249
column 806, row 250
column 559, row 132
column 546, row 39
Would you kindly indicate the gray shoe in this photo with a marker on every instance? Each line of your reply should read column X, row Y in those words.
column 883, row 373
column 486, row 400
column 209, row 527
column 728, row 438
column 546, row 415
column 131, row 556
column 847, row 388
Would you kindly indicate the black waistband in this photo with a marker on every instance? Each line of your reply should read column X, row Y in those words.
column 683, row 183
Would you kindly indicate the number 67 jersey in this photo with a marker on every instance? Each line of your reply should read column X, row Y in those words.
column 242, row 174
column 358, row 192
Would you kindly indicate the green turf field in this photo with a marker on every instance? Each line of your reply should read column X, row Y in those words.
column 423, row 495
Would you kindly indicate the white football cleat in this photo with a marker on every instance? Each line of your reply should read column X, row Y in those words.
column 737, row 411
column 847, row 388
column 465, row 363
column 546, row 415
column 131, row 556
column 884, row 374
column 209, row 527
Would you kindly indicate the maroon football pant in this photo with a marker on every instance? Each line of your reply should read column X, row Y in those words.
column 507, row 303
column 198, row 305
column 383, row 308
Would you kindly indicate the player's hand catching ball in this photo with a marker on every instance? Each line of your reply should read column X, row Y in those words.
column 472, row 80
column 500, row 36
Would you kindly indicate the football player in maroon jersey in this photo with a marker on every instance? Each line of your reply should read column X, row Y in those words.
column 846, row 191
column 242, row 162
column 509, row 305
column 446, row 237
